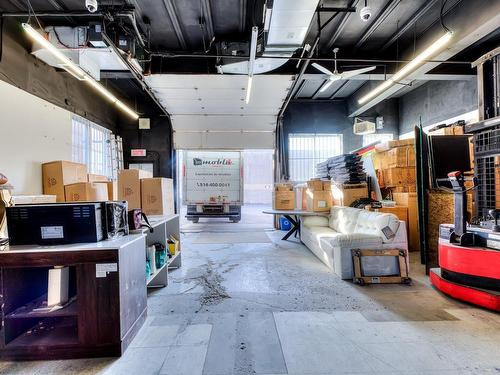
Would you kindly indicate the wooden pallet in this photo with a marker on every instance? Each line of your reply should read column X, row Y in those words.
column 361, row 279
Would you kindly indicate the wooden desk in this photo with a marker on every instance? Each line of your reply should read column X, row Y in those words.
column 108, row 310
column 295, row 220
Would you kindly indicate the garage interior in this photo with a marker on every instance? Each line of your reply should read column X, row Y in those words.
column 249, row 187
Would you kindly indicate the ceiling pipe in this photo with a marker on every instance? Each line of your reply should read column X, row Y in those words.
column 324, row 59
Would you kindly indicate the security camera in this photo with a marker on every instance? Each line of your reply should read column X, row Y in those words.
column 365, row 13
column 91, row 5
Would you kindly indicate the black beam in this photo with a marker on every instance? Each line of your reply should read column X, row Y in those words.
column 243, row 15
column 18, row 4
column 207, row 15
column 381, row 17
column 409, row 23
column 342, row 25
column 172, row 13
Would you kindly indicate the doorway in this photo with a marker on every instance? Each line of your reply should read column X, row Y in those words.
column 258, row 180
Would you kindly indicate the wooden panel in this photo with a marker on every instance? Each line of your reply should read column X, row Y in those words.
column 410, row 200
column 441, row 211
column 98, row 307
column 42, row 258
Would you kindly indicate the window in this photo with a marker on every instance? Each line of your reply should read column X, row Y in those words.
column 377, row 137
column 306, row 150
column 92, row 146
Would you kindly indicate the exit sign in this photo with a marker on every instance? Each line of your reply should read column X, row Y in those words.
column 138, row 152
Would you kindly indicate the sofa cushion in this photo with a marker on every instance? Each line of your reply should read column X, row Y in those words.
column 354, row 240
column 319, row 233
column 379, row 224
column 315, row 221
column 343, row 219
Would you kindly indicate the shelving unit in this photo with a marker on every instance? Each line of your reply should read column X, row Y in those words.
column 163, row 227
column 114, row 300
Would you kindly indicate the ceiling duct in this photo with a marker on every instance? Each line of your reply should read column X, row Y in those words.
column 285, row 28
column 72, row 42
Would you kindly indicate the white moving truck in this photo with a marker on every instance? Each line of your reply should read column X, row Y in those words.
column 212, row 184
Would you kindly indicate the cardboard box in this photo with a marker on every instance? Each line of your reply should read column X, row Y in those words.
column 344, row 195
column 157, row 196
column 399, row 176
column 129, row 186
column 96, row 178
column 33, row 199
column 316, row 184
column 283, row 187
column 319, row 200
column 86, row 192
column 399, row 157
column 391, row 144
column 410, row 200
column 112, row 190
column 449, row 130
column 57, row 174
column 284, row 200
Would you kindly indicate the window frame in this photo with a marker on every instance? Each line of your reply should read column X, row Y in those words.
column 91, row 145
column 320, row 152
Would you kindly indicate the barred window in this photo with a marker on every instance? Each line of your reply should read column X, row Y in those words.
column 307, row 150
column 91, row 145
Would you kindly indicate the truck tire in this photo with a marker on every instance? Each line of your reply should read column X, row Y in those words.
column 235, row 219
column 195, row 220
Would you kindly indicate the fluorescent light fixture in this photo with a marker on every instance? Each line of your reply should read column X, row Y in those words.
column 267, row 18
column 249, row 89
column 408, row 68
column 253, row 52
column 67, row 64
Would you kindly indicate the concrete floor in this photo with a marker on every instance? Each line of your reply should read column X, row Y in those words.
column 273, row 308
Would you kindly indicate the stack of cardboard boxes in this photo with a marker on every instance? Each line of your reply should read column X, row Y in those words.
column 319, row 195
column 395, row 164
column 70, row 182
column 155, row 196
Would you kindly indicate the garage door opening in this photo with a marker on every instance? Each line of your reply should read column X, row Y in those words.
column 225, row 190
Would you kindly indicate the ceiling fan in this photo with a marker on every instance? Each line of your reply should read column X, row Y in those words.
column 335, row 75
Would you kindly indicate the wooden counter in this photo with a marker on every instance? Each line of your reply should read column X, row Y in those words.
column 106, row 309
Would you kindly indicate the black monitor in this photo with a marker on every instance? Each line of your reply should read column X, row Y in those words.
column 448, row 153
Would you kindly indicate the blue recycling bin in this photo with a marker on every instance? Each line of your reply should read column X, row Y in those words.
column 285, row 224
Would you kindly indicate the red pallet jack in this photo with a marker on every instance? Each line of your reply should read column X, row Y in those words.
column 469, row 256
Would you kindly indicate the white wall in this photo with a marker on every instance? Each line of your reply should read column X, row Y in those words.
column 32, row 131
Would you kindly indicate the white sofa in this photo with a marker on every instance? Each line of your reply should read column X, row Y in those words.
column 331, row 238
